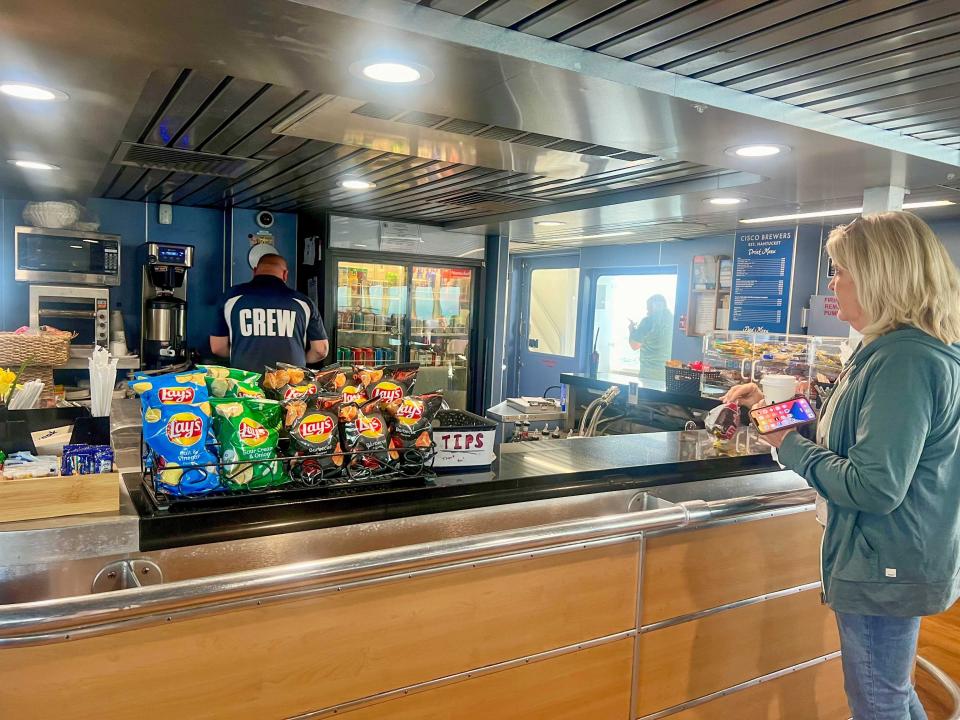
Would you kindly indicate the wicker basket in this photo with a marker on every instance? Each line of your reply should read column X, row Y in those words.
column 685, row 381
column 45, row 349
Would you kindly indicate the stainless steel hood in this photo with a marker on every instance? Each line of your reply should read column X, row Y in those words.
column 511, row 127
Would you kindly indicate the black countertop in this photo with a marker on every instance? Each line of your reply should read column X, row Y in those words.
column 523, row 472
column 651, row 391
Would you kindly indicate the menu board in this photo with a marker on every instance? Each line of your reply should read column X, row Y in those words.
column 762, row 273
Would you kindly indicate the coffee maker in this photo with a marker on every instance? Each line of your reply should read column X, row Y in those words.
column 163, row 320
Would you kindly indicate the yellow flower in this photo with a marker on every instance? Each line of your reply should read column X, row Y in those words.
column 6, row 382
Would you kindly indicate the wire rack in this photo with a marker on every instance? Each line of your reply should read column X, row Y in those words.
column 412, row 468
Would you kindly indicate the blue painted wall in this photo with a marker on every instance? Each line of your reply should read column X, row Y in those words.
column 219, row 241
column 242, row 224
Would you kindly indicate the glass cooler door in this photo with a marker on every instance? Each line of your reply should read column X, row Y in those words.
column 441, row 317
column 371, row 312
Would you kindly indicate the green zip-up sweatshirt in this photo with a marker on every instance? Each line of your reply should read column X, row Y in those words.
column 891, row 480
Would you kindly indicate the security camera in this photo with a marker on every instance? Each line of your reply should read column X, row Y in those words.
column 265, row 219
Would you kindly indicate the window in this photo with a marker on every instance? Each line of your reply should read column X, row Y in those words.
column 633, row 322
column 553, row 311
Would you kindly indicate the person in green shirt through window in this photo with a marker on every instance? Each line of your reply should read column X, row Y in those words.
column 652, row 338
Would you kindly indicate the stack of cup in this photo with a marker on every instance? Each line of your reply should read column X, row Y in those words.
column 118, row 337
column 778, row 388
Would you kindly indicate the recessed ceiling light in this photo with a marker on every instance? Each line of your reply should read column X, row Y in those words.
column 549, row 223
column 595, row 237
column 726, row 201
column 756, row 151
column 77, row 247
column 24, row 91
column 33, row 165
column 841, row 211
column 392, row 72
column 357, row 184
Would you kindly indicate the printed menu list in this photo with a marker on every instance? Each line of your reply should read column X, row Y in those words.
column 762, row 266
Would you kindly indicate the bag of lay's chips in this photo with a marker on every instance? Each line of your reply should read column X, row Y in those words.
column 170, row 389
column 247, row 430
column 392, row 383
column 411, row 438
column 231, row 382
column 332, row 378
column 367, row 439
column 287, row 382
column 176, row 435
column 316, row 431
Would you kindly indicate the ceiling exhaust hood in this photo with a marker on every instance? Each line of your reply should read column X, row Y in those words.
column 437, row 137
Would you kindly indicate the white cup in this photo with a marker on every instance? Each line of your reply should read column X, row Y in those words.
column 118, row 349
column 778, row 388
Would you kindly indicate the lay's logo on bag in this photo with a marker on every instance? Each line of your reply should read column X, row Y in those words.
column 352, row 393
column 387, row 391
column 371, row 427
column 252, row 433
column 316, row 428
column 410, row 411
column 295, row 392
column 176, row 395
column 185, row 429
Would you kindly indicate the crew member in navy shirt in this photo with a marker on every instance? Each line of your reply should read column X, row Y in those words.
column 263, row 322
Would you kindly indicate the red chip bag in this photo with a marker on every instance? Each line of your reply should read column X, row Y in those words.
column 395, row 383
column 316, row 431
column 411, row 438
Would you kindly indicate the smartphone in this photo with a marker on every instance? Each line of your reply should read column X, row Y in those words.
column 783, row 415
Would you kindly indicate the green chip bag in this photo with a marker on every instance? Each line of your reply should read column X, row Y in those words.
column 224, row 382
column 247, row 430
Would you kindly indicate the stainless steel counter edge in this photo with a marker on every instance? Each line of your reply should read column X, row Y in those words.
column 67, row 618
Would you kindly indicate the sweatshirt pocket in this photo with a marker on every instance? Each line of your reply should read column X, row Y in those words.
column 860, row 561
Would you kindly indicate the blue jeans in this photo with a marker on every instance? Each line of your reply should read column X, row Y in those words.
column 878, row 655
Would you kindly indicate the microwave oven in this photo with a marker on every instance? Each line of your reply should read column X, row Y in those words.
column 66, row 256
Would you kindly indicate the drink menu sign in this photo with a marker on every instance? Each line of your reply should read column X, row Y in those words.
column 762, row 274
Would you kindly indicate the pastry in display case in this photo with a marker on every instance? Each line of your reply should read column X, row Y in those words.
column 741, row 357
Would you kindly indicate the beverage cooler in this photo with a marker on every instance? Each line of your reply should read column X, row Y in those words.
column 410, row 311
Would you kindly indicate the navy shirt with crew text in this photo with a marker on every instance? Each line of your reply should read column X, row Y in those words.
column 267, row 322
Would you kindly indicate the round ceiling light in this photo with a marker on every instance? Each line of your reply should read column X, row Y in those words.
column 24, row 91
column 33, row 165
column 726, row 201
column 549, row 223
column 392, row 72
column 357, row 185
column 757, row 151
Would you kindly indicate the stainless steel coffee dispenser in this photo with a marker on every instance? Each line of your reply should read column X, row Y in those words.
column 163, row 334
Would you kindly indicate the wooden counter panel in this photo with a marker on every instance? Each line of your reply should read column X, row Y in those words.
column 687, row 661
column 592, row 684
column 287, row 658
column 815, row 693
column 694, row 570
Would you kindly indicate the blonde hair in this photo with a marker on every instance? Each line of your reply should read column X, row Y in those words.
column 902, row 272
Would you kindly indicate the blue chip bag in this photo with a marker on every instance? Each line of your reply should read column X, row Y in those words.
column 177, row 436
column 171, row 389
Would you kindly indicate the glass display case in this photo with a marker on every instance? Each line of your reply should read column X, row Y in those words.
column 409, row 312
column 371, row 312
column 747, row 357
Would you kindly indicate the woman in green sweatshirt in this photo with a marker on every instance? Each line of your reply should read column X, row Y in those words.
column 887, row 459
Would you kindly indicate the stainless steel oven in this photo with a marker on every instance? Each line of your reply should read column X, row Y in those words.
column 66, row 256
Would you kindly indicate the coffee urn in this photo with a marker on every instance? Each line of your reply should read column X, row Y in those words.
column 163, row 334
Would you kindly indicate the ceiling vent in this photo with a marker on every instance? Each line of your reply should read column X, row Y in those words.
column 155, row 157
column 491, row 202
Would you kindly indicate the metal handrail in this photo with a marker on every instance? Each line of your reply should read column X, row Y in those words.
column 946, row 682
column 63, row 619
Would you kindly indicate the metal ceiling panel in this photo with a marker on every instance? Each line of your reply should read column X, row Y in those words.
column 761, row 17
column 825, row 55
column 563, row 16
column 682, row 24
column 912, row 99
column 804, row 36
column 507, row 13
column 616, row 21
column 827, row 69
